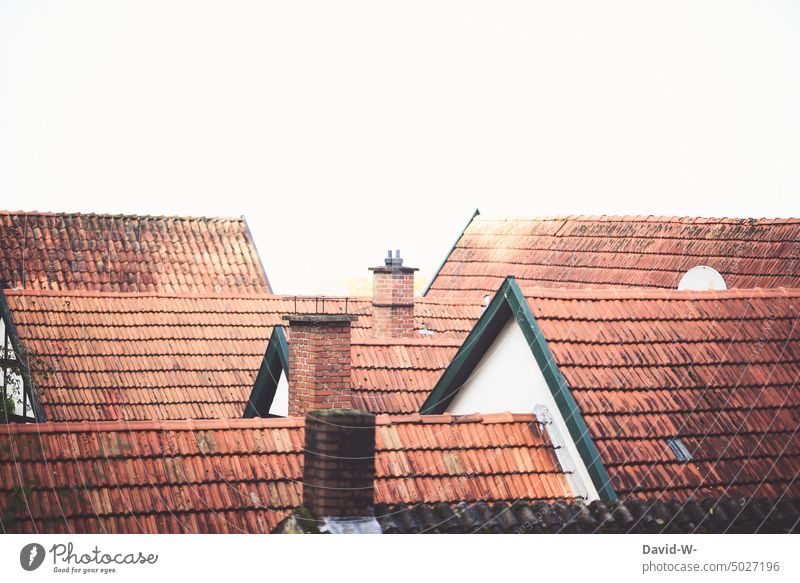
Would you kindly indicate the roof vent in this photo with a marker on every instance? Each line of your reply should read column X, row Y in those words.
column 682, row 453
column 702, row 278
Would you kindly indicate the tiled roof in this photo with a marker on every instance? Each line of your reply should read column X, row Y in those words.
column 654, row 516
column 445, row 458
column 128, row 254
column 245, row 475
column 595, row 252
column 719, row 370
column 396, row 375
column 106, row 356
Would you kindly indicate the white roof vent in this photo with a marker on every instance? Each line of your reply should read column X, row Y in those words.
column 702, row 278
column 423, row 331
column 487, row 299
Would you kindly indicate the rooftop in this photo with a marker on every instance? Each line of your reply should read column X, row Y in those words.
column 128, row 253
column 107, row 356
column 718, row 371
column 245, row 475
column 608, row 251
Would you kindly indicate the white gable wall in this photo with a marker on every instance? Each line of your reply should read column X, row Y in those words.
column 508, row 378
column 280, row 403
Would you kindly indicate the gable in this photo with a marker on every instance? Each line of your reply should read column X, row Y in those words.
column 508, row 378
column 270, row 395
column 509, row 305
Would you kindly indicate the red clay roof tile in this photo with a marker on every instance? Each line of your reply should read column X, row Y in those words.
column 244, row 475
column 595, row 252
column 719, row 370
column 105, row 356
column 63, row 251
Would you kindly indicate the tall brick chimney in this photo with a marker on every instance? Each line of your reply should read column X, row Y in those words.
column 319, row 362
column 393, row 298
column 339, row 464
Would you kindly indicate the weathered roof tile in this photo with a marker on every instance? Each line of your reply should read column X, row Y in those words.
column 105, row 356
column 72, row 251
column 596, row 252
column 718, row 370
column 245, row 475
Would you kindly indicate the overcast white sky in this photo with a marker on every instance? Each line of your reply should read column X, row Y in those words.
column 340, row 129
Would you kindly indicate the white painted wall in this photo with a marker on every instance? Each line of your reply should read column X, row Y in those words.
column 508, row 378
column 280, row 404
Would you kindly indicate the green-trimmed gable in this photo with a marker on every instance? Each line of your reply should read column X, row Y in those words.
column 509, row 301
column 276, row 361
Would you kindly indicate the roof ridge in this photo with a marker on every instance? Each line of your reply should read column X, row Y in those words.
column 220, row 295
column 640, row 218
column 445, row 300
column 120, row 216
column 449, row 418
column 132, row 295
column 154, row 425
column 254, row 423
column 410, row 341
column 656, row 293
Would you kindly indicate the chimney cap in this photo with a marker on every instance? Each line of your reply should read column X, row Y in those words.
column 393, row 263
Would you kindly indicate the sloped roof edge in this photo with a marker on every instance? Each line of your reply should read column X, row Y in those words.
column 249, row 235
column 450, row 252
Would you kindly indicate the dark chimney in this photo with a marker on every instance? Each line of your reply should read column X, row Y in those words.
column 319, row 362
column 339, row 464
column 393, row 298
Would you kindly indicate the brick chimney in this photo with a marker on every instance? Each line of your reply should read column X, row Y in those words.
column 393, row 298
column 339, row 465
column 319, row 362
